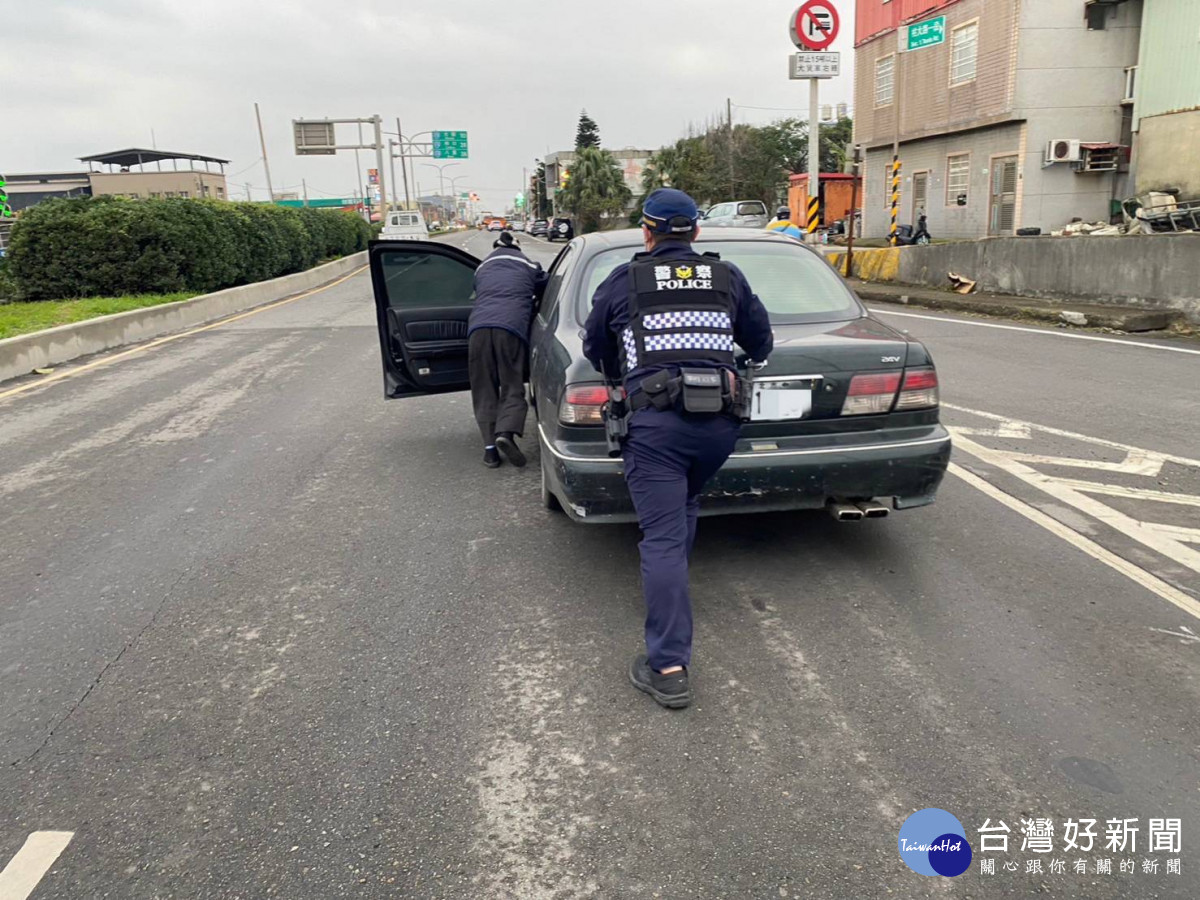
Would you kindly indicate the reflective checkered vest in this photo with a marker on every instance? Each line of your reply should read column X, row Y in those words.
column 680, row 310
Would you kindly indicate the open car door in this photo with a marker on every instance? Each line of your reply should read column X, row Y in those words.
column 424, row 291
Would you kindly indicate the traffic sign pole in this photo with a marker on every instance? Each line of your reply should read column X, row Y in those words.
column 814, row 27
column 814, row 154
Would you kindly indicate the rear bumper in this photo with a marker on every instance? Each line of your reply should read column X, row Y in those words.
column 906, row 465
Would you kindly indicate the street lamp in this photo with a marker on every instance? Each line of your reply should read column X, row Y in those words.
column 442, row 179
column 454, row 188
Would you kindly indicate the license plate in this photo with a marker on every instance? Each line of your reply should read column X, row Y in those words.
column 780, row 401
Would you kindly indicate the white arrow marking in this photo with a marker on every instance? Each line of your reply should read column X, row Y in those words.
column 32, row 862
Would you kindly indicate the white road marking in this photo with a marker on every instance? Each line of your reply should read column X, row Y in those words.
column 1061, row 489
column 1185, row 634
column 1135, row 573
column 1018, row 428
column 1042, row 331
column 32, row 862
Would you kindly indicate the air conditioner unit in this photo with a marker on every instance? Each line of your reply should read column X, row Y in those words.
column 1063, row 150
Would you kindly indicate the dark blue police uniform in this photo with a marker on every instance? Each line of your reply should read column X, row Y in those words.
column 669, row 310
column 507, row 285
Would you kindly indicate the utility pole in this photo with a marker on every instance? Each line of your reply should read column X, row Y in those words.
column 248, row 195
column 263, row 143
column 812, row 214
column 853, row 210
column 729, row 119
column 304, row 184
column 403, row 168
column 383, row 197
column 897, row 94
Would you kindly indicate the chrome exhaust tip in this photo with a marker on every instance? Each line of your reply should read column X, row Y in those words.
column 844, row 512
column 872, row 510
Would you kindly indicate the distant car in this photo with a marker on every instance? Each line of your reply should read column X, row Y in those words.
column 404, row 226
column 539, row 227
column 739, row 214
column 495, row 225
column 560, row 229
column 518, row 226
column 844, row 416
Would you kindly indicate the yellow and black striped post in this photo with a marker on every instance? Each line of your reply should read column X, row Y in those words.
column 895, row 197
column 814, row 218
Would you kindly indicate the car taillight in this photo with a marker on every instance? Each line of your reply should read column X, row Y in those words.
column 920, row 389
column 582, row 403
column 871, row 394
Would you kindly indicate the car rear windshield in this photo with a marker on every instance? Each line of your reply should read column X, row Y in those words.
column 755, row 208
column 794, row 284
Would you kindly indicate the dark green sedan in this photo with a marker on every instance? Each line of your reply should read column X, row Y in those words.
column 844, row 416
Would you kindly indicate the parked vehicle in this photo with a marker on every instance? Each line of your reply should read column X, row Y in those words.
column 844, row 415
column 739, row 214
column 539, row 227
column 518, row 225
column 561, row 229
column 404, row 225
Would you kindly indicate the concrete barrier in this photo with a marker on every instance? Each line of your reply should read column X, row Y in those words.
column 43, row 349
column 1160, row 272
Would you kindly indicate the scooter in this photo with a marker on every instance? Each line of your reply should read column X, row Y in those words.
column 906, row 237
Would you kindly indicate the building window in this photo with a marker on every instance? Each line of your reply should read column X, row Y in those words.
column 958, row 178
column 884, row 80
column 155, row 195
column 964, row 47
column 1130, row 82
column 220, row 193
column 183, row 194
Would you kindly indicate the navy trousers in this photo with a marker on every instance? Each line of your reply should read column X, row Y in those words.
column 668, row 457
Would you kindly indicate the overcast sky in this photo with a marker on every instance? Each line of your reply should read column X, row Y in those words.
column 79, row 77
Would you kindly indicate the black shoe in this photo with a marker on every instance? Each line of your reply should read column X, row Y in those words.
column 671, row 691
column 491, row 458
column 508, row 446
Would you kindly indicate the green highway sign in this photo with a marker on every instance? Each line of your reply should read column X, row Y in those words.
column 929, row 33
column 5, row 212
column 449, row 145
column 321, row 202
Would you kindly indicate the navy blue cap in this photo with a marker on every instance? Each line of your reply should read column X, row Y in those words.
column 668, row 211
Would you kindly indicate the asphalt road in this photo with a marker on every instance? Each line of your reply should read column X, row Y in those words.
column 263, row 634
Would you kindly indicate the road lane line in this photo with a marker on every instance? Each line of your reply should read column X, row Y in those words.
column 142, row 348
column 1135, row 573
column 32, row 862
column 1045, row 331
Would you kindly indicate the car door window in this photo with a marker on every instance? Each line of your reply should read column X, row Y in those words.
column 418, row 280
column 562, row 267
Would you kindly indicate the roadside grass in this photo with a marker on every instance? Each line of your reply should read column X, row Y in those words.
column 26, row 317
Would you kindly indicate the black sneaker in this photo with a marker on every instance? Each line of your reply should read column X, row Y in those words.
column 508, row 446
column 491, row 458
column 671, row 691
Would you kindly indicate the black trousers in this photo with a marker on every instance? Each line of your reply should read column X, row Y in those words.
column 496, row 363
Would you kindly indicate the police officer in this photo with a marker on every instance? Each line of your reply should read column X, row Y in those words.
column 667, row 322
column 783, row 224
column 507, row 285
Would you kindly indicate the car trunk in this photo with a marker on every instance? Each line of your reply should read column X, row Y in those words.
column 835, row 351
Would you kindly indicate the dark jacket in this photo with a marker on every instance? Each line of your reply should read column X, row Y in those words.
column 507, row 285
column 610, row 315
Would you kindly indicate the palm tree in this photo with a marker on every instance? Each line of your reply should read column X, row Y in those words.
column 595, row 189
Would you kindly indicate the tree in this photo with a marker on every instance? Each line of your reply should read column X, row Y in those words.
column 595, row 190
column 588, row 133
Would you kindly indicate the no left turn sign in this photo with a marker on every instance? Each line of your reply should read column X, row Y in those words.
column 815, row 25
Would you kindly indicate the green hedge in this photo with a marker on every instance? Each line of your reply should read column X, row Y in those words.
column 108, row 246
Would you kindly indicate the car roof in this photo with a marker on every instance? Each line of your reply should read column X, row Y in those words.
column 632, row 237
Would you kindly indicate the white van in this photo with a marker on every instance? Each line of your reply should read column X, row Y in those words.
column 404, row 225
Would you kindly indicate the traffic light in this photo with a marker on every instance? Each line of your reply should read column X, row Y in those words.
column 564, row 176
